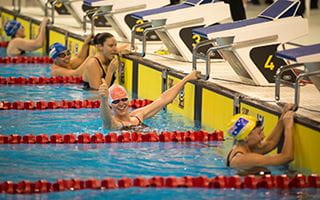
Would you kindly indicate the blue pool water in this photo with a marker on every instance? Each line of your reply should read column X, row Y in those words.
column 25, row 70
column 53, row 161
column 75, row 121
column 45, row 92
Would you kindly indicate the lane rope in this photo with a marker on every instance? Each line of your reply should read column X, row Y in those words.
column 63, row 104
column 218, row 182
column 26, row 59
column 112, row 137
column 40, row 80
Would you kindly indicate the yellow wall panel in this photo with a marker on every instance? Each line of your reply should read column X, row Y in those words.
column 4, row 18
column 216, row 110
column 26, row 25
column 127, row 78
column 149, row 83
column 306, row 148
column 184, row 102
column 56, row 37
column 74, row 45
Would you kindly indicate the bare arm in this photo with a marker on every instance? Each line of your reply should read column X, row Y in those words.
column 273, row 140
column 83, row 54
column 250, row 160
column 31, row 45
column 92, row 73
column 113, row 66
column 106, row 115
column 165, row 98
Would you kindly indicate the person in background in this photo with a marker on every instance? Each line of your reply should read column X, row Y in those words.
column 115, row 105
column 18, row 45
column 251, row 148
column 105, row 58
column 63, row 65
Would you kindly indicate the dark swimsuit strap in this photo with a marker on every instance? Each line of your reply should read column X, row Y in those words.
column 101, row 66
column 234, row 155
column 140, row 122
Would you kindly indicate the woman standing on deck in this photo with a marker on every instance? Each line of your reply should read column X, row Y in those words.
column 18, row 45
column 250, row 147
column 115, row 105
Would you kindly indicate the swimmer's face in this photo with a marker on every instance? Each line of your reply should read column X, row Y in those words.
column 120, row 106
column 21, row 32
column 63, row 58
column 256, row 137
column 109, row 48
column 119, row 103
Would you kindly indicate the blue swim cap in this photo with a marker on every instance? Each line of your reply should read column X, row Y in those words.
column 11, row 27
column 56, row 49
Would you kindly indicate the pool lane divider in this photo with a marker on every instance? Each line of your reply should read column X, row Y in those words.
column 4, row 44
column 63, row 104
column 40, row 80
column 26, row 59
column 124, row 137
column 218, row 182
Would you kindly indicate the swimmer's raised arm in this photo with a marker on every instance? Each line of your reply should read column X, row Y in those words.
column 104, row 106
column 165, row 98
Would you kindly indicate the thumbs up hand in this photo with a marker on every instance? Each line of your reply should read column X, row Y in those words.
column 103, row 89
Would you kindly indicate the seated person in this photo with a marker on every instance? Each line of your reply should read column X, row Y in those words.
column 251, row 147
column 96, row 67
column 63, row 65
column 115, row 105
column 18, row 45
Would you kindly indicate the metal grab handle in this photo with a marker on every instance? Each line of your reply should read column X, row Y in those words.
column 134, row 35
column 278, row 80
column 297, row 87
column 196, row 55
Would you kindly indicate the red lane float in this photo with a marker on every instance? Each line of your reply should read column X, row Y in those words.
column 63, row 104
column 4, row 44
column 40, row 80
column 26, row 59
column 218, row 182
column 124, row 137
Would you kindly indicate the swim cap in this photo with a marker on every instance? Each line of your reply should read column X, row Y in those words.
column 241, row 125
column 116, row 92
column 11, row 27
column 56, row 49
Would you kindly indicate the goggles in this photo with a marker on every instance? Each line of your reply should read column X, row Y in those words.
column 64, row 54
column 118, row 100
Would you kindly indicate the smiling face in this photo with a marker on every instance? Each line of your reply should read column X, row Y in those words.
column 63, row 58
column 118, row 100
column 109, row 48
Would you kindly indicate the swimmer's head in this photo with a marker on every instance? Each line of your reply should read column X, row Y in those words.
column 11, row 27
column 56, row 49
column 117, row 93
column 241, row 126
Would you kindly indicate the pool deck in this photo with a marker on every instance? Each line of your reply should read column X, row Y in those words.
column 221, row 72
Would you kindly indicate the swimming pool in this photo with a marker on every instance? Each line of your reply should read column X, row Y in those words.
column 65, row 161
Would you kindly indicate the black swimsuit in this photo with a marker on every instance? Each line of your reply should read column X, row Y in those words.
column 137, row 127
column 228, row 157
column 86, row 85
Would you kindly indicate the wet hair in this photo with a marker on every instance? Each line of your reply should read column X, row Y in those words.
column 100, row 38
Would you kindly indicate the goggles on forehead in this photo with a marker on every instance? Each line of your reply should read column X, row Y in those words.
column 64, row 54
column 118, row 100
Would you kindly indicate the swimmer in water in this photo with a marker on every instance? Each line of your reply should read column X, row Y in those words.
column 115, row 105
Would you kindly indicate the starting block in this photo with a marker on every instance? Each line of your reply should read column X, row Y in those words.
column 250, row 45
column 119, row 16
column 174, row 24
